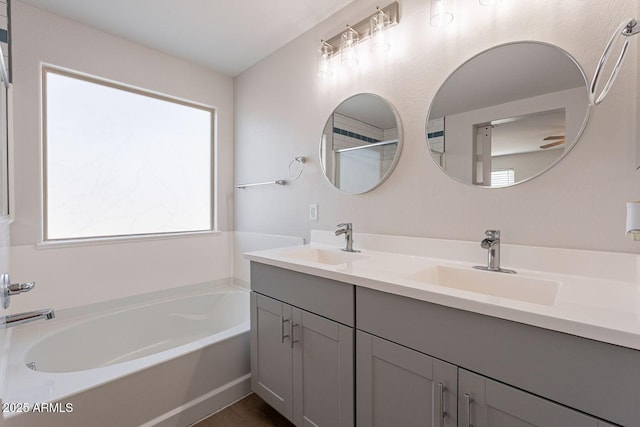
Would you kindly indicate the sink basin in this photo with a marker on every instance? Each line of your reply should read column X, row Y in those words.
column 324, row 256
column 512, row 286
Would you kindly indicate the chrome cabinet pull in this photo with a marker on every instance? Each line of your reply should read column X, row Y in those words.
column 292, row 325
column 443, row 412
column 467, row 404
column 282, row 335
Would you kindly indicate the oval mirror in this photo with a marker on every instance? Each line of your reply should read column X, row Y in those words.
column 360, row 144
column 508, row 114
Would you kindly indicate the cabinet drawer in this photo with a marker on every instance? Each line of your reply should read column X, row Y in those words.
column 326, row 297
column 594, row 377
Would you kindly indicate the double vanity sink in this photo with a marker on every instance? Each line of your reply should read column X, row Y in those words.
column 554, row 344
column 511, row 286
column 585, row 293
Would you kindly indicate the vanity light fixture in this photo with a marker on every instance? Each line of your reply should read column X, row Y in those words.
column 374, row 26
column 348, row 42
column 441, row 12
column 324, row 56
column 379, row 23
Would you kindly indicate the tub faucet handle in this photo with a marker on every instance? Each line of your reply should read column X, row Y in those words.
column 7, row 289
column 18, row 288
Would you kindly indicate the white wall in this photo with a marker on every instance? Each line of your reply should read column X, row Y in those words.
column 70, row 276
column 281, row 106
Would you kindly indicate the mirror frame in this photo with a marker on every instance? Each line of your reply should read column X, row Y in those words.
column 396, row 158
column 569, row 146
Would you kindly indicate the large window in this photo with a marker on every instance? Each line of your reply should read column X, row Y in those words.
column 122, row 162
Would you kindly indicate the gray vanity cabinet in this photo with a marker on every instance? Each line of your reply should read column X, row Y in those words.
column 398, row 386
column 523, row 375
column 271, row 373
column 322, row 371
column 302, row 361
column 483, row 402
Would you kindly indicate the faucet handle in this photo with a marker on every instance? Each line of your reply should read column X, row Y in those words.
column 492, row 234
column 18, row 288
column 7, row 289
column 346, row 225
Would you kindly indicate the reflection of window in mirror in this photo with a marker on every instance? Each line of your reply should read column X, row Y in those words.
column 502, row 177
column 508, row 88
column 539, row 143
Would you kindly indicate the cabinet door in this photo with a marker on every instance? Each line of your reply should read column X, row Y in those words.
column 271, row 375
column 487, row 403
column 397, row 386
column 322, row 371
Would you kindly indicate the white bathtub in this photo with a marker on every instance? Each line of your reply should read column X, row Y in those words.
column 165, row 359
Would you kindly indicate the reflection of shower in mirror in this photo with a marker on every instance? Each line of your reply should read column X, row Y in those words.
column 360, row 144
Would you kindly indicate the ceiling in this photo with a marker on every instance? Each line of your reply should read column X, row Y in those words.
column 228, row 36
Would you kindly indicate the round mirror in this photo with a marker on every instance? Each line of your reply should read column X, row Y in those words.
column 360, row 144
column 508, row 114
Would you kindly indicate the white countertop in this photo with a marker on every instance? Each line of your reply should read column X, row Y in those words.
column 603, row 305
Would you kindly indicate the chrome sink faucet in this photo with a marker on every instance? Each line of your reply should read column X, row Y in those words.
column 492, row 244
column 347, row 230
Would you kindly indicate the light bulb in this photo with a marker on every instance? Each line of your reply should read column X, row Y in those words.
column 349, row 39
column 379, row 23
column 324, row 56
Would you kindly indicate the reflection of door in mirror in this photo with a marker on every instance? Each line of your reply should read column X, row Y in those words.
column 513, row 149
column 502, row 117
column 533, row 123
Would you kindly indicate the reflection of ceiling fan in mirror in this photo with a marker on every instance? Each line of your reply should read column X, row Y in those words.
column 557, row 140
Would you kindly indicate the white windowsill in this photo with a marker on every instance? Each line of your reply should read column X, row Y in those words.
column 52, row 244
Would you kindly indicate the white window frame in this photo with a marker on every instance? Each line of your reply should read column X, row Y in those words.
column 212, row 229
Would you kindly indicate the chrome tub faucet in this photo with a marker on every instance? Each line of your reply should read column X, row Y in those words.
column 7, row 289
column 22, row 318
column 347, row 230
column 492, row 244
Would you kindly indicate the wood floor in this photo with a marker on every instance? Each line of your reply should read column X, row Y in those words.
column 248, row 412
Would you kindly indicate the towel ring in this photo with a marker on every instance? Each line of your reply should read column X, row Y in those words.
column 296, row 161
column 626, row 29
